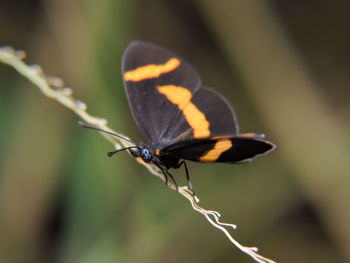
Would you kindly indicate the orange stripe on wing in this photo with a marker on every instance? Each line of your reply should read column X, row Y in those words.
column 182, row 98
column 219, row 147
column 151, row 71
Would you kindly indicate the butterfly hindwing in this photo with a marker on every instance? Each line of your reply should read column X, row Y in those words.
column 235, row 149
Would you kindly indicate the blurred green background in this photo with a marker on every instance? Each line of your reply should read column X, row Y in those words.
column 284, row 65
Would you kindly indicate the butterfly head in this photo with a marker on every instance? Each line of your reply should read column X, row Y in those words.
column 146, row 154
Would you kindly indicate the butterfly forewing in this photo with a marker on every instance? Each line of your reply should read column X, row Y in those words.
column 152, row 75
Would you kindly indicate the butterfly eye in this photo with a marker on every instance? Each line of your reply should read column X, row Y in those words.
column 146, row 155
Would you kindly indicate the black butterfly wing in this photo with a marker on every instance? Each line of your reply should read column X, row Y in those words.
column 237, row 149
column 148, row 70
column 167, row 100
column 218, row 112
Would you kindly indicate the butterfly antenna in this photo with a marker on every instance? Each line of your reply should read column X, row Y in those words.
column 85, row 125
column 110, row 154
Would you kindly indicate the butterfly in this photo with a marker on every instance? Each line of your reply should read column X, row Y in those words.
column 181, row 119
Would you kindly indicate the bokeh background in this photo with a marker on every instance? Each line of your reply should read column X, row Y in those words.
column 284, row 65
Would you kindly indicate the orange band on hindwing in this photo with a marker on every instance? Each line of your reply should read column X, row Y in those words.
column 151, row 71
column 219, row 147
column 194, row 117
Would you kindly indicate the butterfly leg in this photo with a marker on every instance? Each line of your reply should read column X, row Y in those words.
column 172, row 179
column 187, row 176
column 166, row 173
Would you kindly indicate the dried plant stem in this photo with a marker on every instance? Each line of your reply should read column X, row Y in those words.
column 54, row 88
